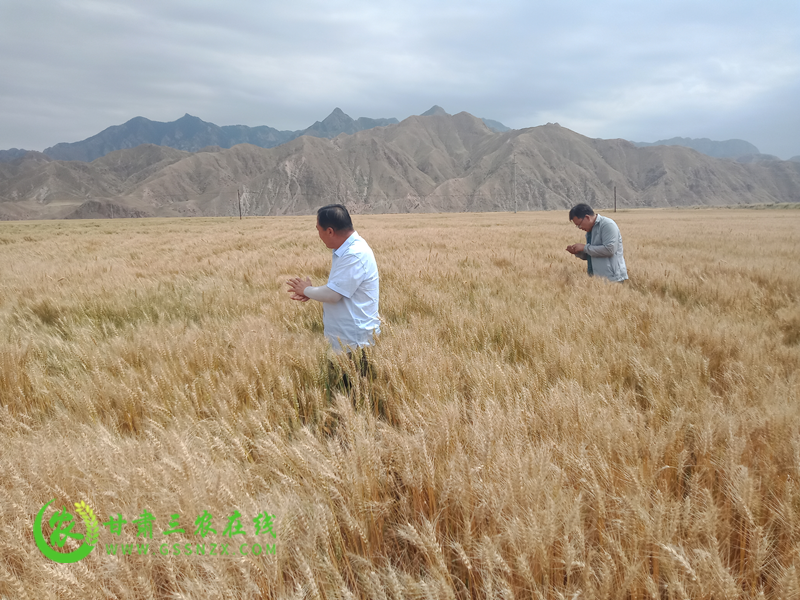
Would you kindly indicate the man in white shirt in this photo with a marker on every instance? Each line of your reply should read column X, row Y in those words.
column 350, row 298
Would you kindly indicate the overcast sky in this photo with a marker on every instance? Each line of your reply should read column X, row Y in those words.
column 641, row 70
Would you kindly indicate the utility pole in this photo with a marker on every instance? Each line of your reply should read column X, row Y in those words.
column 515, row 183
column 239, row 195
column 615, row 198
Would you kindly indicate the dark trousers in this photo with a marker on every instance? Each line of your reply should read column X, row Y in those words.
column 341, row 371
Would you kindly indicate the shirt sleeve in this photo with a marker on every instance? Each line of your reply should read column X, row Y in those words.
column 322, row 294
column 346, row 275
column 609, row 240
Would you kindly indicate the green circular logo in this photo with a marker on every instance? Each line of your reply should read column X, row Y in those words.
column 62, row 523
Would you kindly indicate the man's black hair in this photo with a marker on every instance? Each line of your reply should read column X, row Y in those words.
column 334, row 216
column 581, row 211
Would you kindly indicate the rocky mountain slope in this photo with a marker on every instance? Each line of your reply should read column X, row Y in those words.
column 424, row 164
column 193, row 134
column 726, row 149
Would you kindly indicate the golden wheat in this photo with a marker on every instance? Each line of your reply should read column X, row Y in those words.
column 529, row 432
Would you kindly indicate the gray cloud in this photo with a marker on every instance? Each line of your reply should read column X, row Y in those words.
column 616, row 68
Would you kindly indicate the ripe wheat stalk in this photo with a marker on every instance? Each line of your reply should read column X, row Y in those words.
column 529, row 432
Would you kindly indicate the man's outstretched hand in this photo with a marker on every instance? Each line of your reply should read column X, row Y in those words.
column 296, row 287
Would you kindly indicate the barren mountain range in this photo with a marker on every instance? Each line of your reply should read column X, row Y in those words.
column 726, row 149
column 427, row 163
column 192, row 134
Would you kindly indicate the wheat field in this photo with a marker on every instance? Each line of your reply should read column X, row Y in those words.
column 529, row 432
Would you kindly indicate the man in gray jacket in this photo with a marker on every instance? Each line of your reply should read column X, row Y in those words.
column 603, row 247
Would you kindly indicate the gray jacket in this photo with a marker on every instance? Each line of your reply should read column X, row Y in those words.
column 604, row 248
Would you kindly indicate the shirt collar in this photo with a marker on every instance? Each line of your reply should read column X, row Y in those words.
column 343, row 248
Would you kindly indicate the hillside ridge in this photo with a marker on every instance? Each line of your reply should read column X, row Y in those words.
column 436, row 163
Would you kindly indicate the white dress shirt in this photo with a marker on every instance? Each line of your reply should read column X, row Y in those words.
column 353, row 321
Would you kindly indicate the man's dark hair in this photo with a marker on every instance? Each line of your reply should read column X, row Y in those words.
column 581, row 211
column 334, row 216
